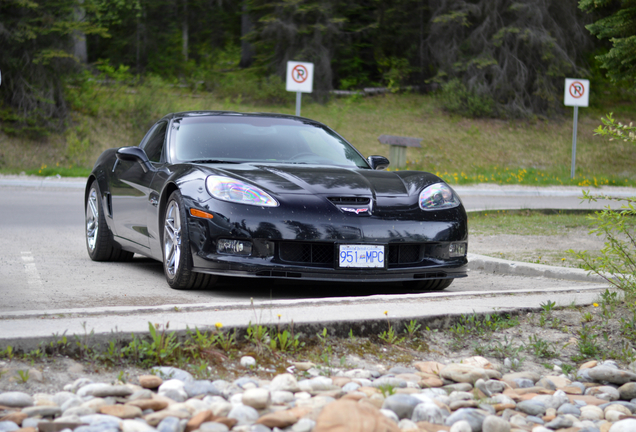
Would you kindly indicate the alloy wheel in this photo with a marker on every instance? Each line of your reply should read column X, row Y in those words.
column 92, row 219
column 172, row 239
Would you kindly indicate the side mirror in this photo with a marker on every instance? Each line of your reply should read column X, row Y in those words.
column 135, row 154
column 378, row 162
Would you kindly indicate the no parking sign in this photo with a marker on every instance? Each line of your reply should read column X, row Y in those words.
column 577, row 94
column 300, row 77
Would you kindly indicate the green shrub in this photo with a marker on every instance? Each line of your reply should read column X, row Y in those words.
column 617, row 261
column 456, row 98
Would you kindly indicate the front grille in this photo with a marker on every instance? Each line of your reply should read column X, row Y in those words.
column 350, row 200
column 307, row 253
column 322, row 254
column 404, row 254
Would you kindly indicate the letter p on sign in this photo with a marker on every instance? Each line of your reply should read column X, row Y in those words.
column 577, row 92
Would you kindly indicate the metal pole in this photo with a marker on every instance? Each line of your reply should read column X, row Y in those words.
column 576, row 120
column 298, row 97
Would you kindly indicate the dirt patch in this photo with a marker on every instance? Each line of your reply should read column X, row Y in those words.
column 549, row 250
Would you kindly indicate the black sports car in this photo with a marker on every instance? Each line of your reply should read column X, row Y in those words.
column 270, row 196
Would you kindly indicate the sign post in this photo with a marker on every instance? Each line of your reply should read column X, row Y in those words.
column 299, row 79
column 577, row 94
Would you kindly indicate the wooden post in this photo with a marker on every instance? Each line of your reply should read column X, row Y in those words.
column 397, row 149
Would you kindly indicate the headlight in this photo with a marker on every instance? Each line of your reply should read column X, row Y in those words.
column 229, row 189
column 437, row 197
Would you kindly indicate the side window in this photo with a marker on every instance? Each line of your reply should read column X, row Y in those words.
column 154, row 144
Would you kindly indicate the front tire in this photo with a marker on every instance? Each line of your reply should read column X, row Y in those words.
column 177, row 258
column 99, row 239
column 428, row 285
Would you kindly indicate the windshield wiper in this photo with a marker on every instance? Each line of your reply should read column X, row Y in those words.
column 203, row 161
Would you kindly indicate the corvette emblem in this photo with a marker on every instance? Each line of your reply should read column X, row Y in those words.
column 355, row 210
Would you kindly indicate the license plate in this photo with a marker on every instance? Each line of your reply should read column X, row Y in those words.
column 361, row 256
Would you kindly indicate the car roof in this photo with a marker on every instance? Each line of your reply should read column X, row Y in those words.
column 184, row 114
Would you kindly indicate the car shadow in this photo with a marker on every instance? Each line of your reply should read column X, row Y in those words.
column 277, row 289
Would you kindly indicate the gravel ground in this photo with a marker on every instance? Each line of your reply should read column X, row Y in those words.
column 549, row 250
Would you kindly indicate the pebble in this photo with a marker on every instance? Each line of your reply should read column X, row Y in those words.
column 196, row 388
column 168, row 372
column 248, row 362
column 470, row 396
column 15, row 399
column 257, row 398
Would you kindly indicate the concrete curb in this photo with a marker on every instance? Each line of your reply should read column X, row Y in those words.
column 29, row 330
column 500, row 266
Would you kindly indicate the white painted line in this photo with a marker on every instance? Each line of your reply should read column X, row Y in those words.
column 32, row 274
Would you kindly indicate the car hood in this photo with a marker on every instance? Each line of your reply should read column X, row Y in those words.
column 321, row 180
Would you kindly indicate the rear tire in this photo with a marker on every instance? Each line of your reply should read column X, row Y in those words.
column 428, row 284
column 177, row 258
column 99, row 239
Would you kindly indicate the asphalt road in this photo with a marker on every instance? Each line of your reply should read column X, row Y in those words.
column 44, row 265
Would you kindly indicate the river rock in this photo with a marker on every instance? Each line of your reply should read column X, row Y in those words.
column 150, row 381
column 347, row 415
column 461, row 426
column 493, row 423
column 591, row 412
column 8, row 426
column 15, row 399
column 198, row 419
column 157, row 417
column 167, row 373
column 136, row 426
column 390, row 415
column 401, row 404
column 462, row 373
column 604, row 392
column 280, row 419
column 568, row 408
column 169, row 424
column 213, row 427
column 606, row 373
column 627, row 425
column 122, row 411
column 243, row 414
column 197, row 388
column 627, row 391
column 304, row 425
column 532, row 407
column 474, row 417
column 257, row 398
column 154, row 404
column 284, row 382
column 42, row 411
column 429, row 412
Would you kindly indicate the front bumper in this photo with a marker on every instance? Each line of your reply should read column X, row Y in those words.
column 303, row 244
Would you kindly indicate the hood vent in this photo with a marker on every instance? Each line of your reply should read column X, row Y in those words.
column 341, row 200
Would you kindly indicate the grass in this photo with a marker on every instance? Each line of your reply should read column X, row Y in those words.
column 566, row 229
column 460, row 150
column 527, row 222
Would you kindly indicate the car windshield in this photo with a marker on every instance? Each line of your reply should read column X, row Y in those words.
column 225, row 138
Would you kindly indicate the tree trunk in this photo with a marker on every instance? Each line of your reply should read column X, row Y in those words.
column 184, row 31
column 79, row 38
column 247, row 52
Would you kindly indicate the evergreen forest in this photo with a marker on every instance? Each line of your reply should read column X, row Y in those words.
column 489, row 59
